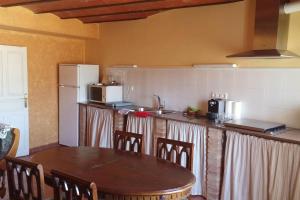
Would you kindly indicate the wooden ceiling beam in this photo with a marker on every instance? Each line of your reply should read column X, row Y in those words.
column 9, row 3
column 141, row 7
column 98, row 11
column 118, row 17
column 69, row 5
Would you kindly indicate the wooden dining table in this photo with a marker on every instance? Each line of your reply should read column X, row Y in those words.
column 117, row 174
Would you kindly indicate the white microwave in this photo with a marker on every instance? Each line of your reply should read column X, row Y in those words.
column 105, row 93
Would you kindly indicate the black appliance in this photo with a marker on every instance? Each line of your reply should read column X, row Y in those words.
column 216, row 109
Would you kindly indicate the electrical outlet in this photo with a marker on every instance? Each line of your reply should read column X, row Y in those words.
column 226, row 95
column 219, row 95
column 213, row 95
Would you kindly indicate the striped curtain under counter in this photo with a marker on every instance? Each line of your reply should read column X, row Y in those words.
column 260, row 169
column 142, row 125
column 195, row 134
column 99, row 127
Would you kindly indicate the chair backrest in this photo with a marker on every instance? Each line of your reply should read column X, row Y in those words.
column 127, row 141
column 25, row 179
column 11, row 146
column 175, row 151
column 15, row 144
column 68, row 187
column 8, row 150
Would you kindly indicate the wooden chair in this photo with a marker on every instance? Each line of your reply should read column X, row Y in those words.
column 179, row 148
column 12, row 151
column 68, row 187
column 133, row 141
column 25, row 179
column 173, row 150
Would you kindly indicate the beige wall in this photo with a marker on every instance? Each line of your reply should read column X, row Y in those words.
column 49, row 41
column 185, row 37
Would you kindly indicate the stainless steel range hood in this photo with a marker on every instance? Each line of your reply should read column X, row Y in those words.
column 271, row 31
column 265, row 53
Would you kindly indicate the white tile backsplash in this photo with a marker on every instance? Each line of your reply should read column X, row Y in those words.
column 266, row 94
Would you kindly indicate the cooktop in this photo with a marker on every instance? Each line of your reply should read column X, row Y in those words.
column 256, row 125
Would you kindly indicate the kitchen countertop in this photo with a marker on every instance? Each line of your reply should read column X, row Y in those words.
column 133, row 107
column 289, row 135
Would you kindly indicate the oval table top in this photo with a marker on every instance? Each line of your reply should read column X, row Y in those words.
column 117, row 172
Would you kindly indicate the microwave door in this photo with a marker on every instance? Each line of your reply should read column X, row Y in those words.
column 96, row 94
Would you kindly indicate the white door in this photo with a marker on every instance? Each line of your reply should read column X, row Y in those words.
column 14, row 92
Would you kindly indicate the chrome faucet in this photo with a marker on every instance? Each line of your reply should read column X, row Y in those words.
column 160, row 106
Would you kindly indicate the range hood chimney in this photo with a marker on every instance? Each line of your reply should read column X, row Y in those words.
column 271, row 30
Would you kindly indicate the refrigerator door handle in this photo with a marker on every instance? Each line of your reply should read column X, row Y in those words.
column 71, row 86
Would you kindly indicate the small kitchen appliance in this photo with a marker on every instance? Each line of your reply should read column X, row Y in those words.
column 233, row 110
column 101, row 93
column 216, row 109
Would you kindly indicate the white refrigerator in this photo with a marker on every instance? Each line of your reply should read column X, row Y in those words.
column 73, row 88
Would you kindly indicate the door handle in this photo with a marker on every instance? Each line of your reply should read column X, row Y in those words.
column 25, row 102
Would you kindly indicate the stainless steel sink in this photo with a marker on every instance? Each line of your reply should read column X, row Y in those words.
column 159, row 112
column 167, row 111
